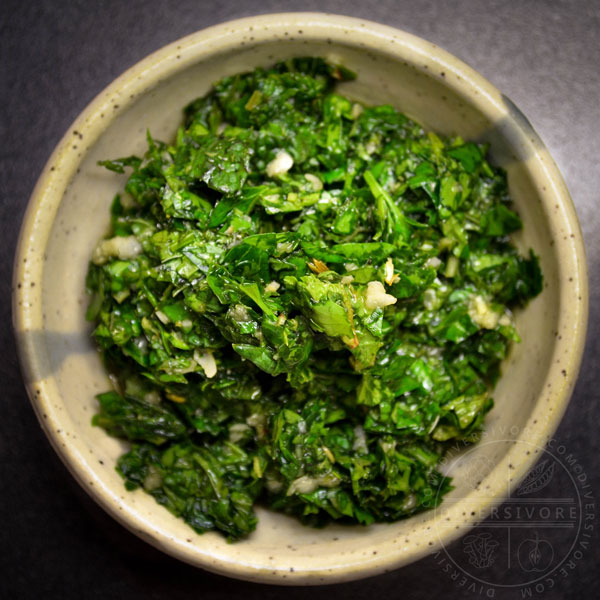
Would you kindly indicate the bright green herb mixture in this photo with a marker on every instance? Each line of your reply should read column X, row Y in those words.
column 303, row 302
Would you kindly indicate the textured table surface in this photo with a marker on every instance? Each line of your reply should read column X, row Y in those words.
column 56, row 56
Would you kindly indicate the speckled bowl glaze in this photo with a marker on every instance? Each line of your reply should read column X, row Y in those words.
column 69, row 211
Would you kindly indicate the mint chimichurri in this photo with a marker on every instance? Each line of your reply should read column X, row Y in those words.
column 303, row 302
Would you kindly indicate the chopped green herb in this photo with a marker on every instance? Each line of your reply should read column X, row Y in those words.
column 304, row 302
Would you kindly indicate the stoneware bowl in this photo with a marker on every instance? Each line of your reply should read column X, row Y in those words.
column 69, row 211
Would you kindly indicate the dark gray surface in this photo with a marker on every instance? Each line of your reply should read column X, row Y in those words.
column 56, row 56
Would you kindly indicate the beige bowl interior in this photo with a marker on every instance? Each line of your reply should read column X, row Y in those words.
column 69, row 211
